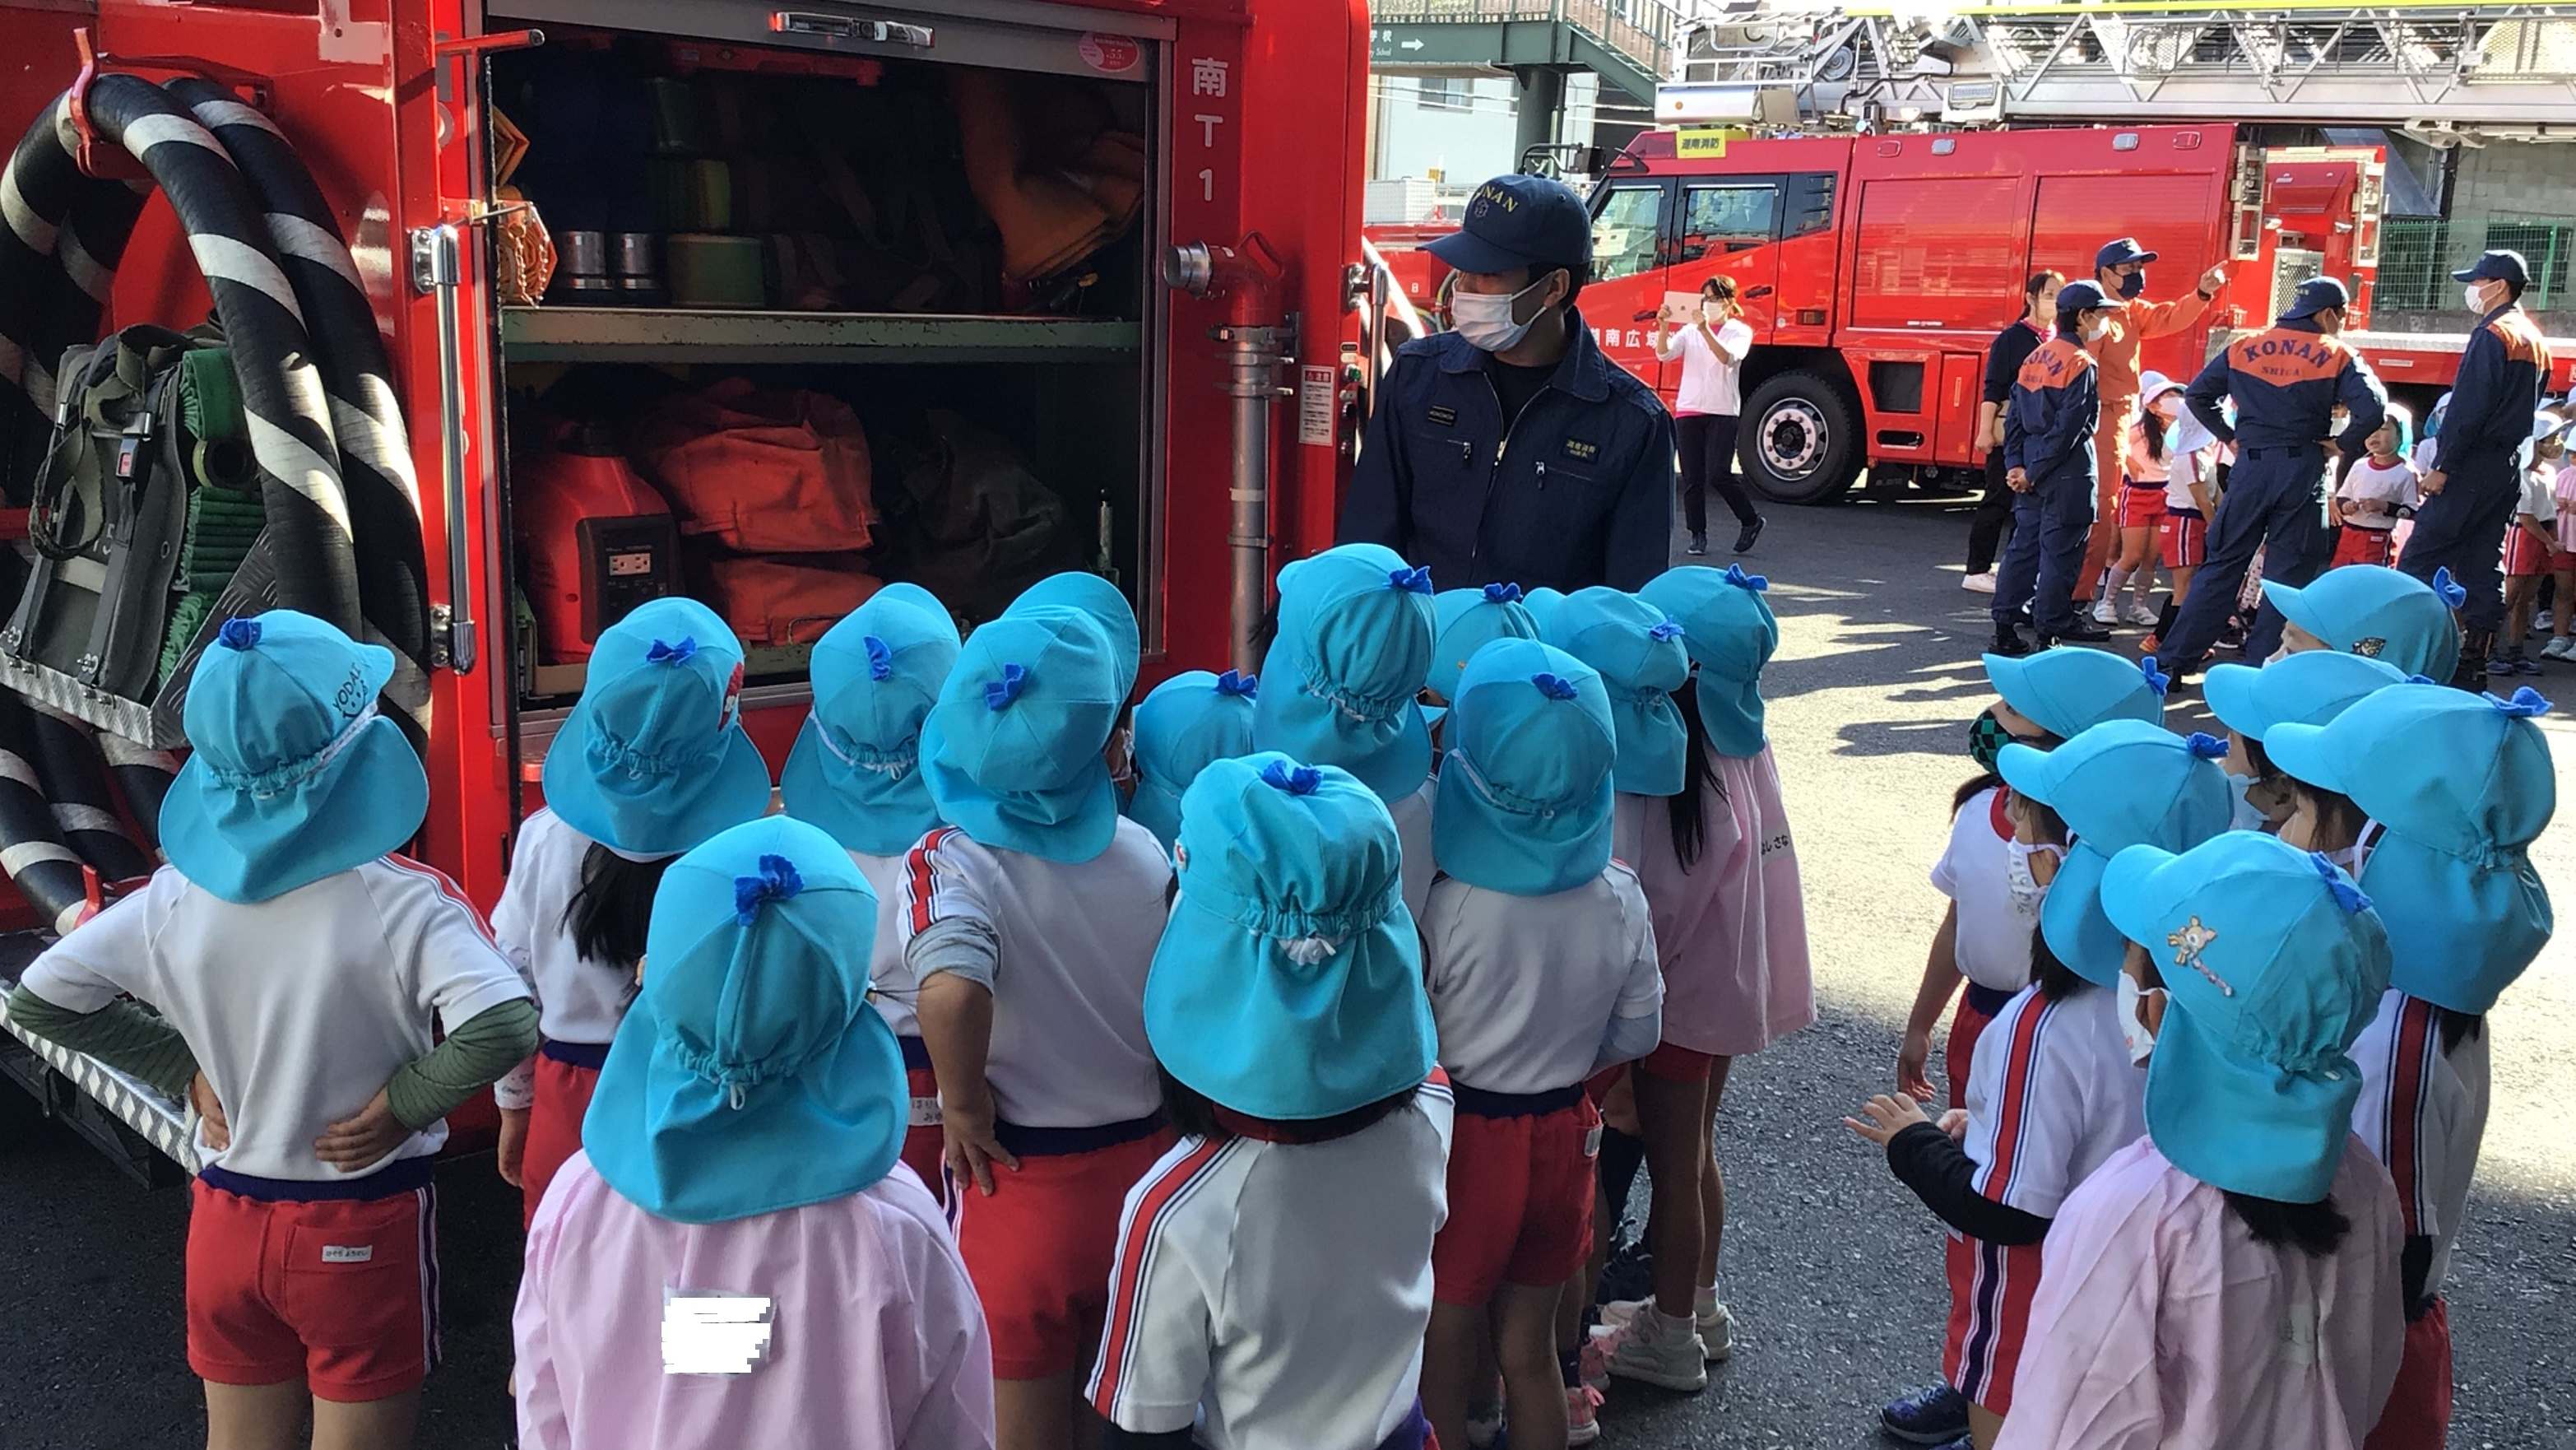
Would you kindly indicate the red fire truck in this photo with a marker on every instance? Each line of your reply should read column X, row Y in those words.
column 1875, row 269
column 1149, row 348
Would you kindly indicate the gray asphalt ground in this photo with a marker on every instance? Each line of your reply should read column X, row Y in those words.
column 1833, row 1270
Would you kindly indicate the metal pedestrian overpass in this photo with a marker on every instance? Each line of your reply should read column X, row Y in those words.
column 1633, row 45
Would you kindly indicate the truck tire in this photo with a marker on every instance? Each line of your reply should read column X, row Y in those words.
column 1801, row 439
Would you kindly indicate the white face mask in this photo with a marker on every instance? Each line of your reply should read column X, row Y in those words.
column 2475, row 297
column 1712, row 310
column 2020, row 881
column 1485, row 318
column 2093, row 330
column 2134, row 1033
column 2243, row 815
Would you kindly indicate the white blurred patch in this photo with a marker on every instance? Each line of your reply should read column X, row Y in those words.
column 714, row 1333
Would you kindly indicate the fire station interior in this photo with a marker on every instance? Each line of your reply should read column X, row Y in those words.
column 815, row 322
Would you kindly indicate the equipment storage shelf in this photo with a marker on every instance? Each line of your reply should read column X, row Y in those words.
column 671, row 335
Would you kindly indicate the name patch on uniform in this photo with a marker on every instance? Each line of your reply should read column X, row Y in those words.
column 1445, row 417
column 714, row 1333
column 1577, row 448
column 348, row 1253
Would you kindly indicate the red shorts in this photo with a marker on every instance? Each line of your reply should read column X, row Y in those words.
column 2525, row 555
column 1991, row 1290
column 925, row 1146
column 567, row 1074
column 2142, row 505
column 2183, row 539
column 2418, row 1416
column 1520, row 1197
column 341, row 1293
column 1671, row 1062
column 1040, row 1249
column 1977, row 1007
column 2355, row 545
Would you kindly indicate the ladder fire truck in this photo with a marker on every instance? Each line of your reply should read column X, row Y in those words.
column 1081, row 284
column 1880, row 179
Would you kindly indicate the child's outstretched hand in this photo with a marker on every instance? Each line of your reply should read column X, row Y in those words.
column 213, row 1126
column 363, row 1137
column 1884, row 1117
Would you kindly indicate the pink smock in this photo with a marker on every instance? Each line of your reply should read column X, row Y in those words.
column 875, row 1337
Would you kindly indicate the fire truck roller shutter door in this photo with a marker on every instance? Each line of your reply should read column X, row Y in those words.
column 1801, row 438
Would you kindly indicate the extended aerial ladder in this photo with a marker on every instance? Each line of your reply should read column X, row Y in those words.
column 2431, row 68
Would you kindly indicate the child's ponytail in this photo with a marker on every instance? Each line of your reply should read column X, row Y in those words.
column 2314, row 1229
column 1687, row 813
column 609, row 911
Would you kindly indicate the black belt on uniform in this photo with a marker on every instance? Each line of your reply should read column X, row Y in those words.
column 1514, row 1105
column 2281, row 450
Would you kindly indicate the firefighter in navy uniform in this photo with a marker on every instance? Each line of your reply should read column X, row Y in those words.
column 2048, row 464
column 2286, row 380
column 1510, row 449
column 2477, row 471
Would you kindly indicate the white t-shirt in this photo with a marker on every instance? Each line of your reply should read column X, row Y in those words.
column 2051, row 1096
column 1075, row 943
column 1710, row 384
column 1274, row 1294
column 1413, row 837
column 578, row 999
column 2539, row 495
column 888, row 973
column 2423, row 1112
column 1994, row 927
column 299, row 1008
column 1523, row 987
column 2380, row 492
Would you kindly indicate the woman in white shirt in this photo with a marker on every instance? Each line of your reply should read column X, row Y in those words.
column 1711, row 348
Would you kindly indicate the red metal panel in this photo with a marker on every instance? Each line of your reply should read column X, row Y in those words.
column 1939, row 253
column 2175, row 216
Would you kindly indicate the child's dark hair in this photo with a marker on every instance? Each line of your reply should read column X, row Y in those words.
column 2154, row 428
column 1192, row 1114
column 610, row 909
column 2338, row 816
column 1688, row 811
column 2057, row 981
column 2314, row 1229
column 1968, row 790
column 2457, row 1027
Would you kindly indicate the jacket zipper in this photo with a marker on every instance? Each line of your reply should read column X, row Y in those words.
column 1494, row 470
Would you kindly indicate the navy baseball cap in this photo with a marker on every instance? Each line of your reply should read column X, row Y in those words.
column 2080, row 297
column 2499, row 265
column 2315, row 295
column 2121, row 250
column 1520, row 221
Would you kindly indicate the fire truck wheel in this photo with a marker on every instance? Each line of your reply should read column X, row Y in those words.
column 1801, row 439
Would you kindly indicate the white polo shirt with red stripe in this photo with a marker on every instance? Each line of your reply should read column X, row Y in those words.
column 888, row 974
column 1523, row 987
column 2423, row 1112
column 1413, row 836
column 1994, row 930
column 1274, row 1295
column 299, row 1008
column 578, row 999
column 1074, row 944
column 2051, row 1096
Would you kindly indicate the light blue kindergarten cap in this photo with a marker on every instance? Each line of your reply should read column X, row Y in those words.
column 1465, row 621
column 1730, row 634
column 1188, row 721
column 2067, row 689
column 1543, row 603
column 293, row 775
column 2378, row 613
column 856, row 768
column 750, row 1074
column 2301, row 689
column 1341, row 680
column 1012, row 750
column 2462, row 785
column 2122, row 783
column 1638, row 652
column 653, row 759
column 2273, row 963
column 1289, row 980
column 1525, row 798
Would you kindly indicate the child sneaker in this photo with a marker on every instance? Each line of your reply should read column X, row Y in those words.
column 2144, row 615
column 1979, row 583
column 1592, row 1362
column 1661, row 1349
column 1582, row 1415
column 1933, row 1415
column 1714, row 1321
column 1485, row 1430
column 2105, row 612
column 2559, row 647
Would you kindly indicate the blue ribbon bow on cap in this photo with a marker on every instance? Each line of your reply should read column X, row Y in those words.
column 998, row 694
column 1296, row 780
column 239, row 633
column 1502, row 594
column 2157, row 680
column 1555, row 687
column 1736, row 576
column 2526, row 702
column 2205, row 745
column 1236, row 682
column 2346, row 895
column 777, row 881
column 880, row 658
column 1669, row 629
column 2447, row 589
column 663, row 653
column 1416, row 579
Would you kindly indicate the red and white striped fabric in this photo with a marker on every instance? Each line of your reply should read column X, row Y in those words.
column 2423, row 1111
column 1232, row 1250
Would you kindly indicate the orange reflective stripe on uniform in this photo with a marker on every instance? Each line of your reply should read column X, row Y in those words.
column 2285, row 356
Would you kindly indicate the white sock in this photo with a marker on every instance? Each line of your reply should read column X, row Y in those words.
column 1669, row 1326
column 1706, row 1300
column 2113, row 582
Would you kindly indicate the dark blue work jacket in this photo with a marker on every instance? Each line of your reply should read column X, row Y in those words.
column 2286, row 380
column 1578, row 491
column 2048, row 422
column 2501, row 379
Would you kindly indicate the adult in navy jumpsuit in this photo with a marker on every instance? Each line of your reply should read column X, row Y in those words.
column 2286, row 380
column 1511, row 450
column 2477, row 474
column 2048, row 464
